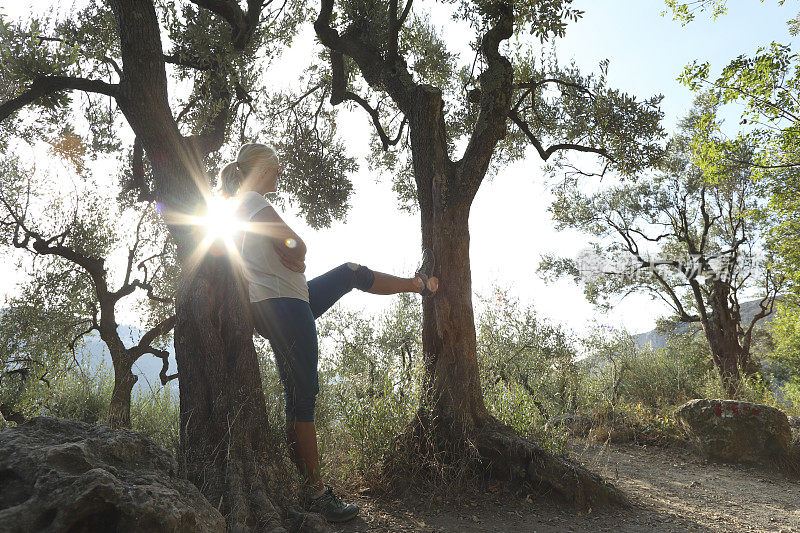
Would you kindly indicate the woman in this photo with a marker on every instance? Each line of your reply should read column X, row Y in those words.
column 285, row 306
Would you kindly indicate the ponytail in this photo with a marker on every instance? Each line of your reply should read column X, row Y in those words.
column 230, row 179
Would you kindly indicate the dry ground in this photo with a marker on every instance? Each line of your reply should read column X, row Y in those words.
column 671, row 491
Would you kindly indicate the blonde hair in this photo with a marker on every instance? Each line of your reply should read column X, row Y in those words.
column 252, row 158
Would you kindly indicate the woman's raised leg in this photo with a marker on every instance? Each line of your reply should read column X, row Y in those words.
column 388, row 284
column 325, row 290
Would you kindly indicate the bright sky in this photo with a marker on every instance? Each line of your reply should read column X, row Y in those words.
column 510, row 225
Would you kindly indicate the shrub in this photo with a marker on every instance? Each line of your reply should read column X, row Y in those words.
column 83, row 394
column 156, row 414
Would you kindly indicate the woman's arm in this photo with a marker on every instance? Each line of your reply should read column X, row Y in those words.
column 290, row 247
column 287, row 261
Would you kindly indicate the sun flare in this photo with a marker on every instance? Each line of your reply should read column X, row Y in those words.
column 220, row 221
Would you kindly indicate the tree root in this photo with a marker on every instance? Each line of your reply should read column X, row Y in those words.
column 495, row 451
column 509, row 456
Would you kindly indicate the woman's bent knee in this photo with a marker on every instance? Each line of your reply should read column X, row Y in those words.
column 303, row 410
column 363, row 277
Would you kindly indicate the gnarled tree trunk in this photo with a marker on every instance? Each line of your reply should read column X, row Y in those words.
column 119, row 410
column 225, row 446
column 721, row 328
column 452, row 420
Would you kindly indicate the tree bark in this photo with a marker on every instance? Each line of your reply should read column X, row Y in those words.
column 453, row 423
column 722, row 332
column 119, row 410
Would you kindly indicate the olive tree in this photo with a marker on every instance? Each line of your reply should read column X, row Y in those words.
column 688, row 237
column 443, row 126
column 181, row 77
column 72, row 286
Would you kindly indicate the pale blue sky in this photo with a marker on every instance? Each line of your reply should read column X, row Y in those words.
column 648, row 51
column 510, row 225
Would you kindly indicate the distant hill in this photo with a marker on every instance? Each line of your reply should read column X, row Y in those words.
column 655, row 340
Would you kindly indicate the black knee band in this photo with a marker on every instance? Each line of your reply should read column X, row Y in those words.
column 364, row 277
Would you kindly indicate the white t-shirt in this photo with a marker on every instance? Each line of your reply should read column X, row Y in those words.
column 266, row 276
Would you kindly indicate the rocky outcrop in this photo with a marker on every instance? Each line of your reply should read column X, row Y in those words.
column 65, row 475
column 737, row 432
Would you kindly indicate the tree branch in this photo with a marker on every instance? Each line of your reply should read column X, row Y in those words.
column 162, row 328
column 392, row 76
column 242, row 24
column 496, row 83
column 546, row 153
column 405, row 13
column 47, row 85
column 339, row 94
column 164, row 356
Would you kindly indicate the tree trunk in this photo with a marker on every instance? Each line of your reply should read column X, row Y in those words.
column 727, row 356
column 453, row 424
column 119, row 410
column 722, row 331
column 225, row 444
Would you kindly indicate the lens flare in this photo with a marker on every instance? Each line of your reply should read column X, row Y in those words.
column 220, row 228
column 219, row 220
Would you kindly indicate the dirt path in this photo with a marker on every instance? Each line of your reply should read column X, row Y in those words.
column 671, row 491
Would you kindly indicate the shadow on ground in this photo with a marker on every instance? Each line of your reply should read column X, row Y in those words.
column 670, row 489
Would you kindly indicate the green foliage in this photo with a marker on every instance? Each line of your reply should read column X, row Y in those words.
column 544, row 19
column 660, row 233
column 791, row 398
column 685, row 11
column 563, row 106
column 156, row 414
column 316, row 173
column 754, row 389
column 426, row 51
column 785, row 357
column 624, row 373
column 83, row 395
column 71, row 391
column 80, row 391
column 370, row 383
column 766, row 86
column 523, row 353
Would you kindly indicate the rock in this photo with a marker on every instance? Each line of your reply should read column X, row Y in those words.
column 65, row 475
column 737, row 432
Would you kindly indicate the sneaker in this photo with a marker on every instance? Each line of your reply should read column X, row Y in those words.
column 332, row 507
column 425, row 271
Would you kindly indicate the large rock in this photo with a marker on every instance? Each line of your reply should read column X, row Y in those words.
column 737, row 432
column 64, row 475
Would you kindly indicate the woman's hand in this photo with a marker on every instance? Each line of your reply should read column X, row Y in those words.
column 295, row 265
column 286, row 242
